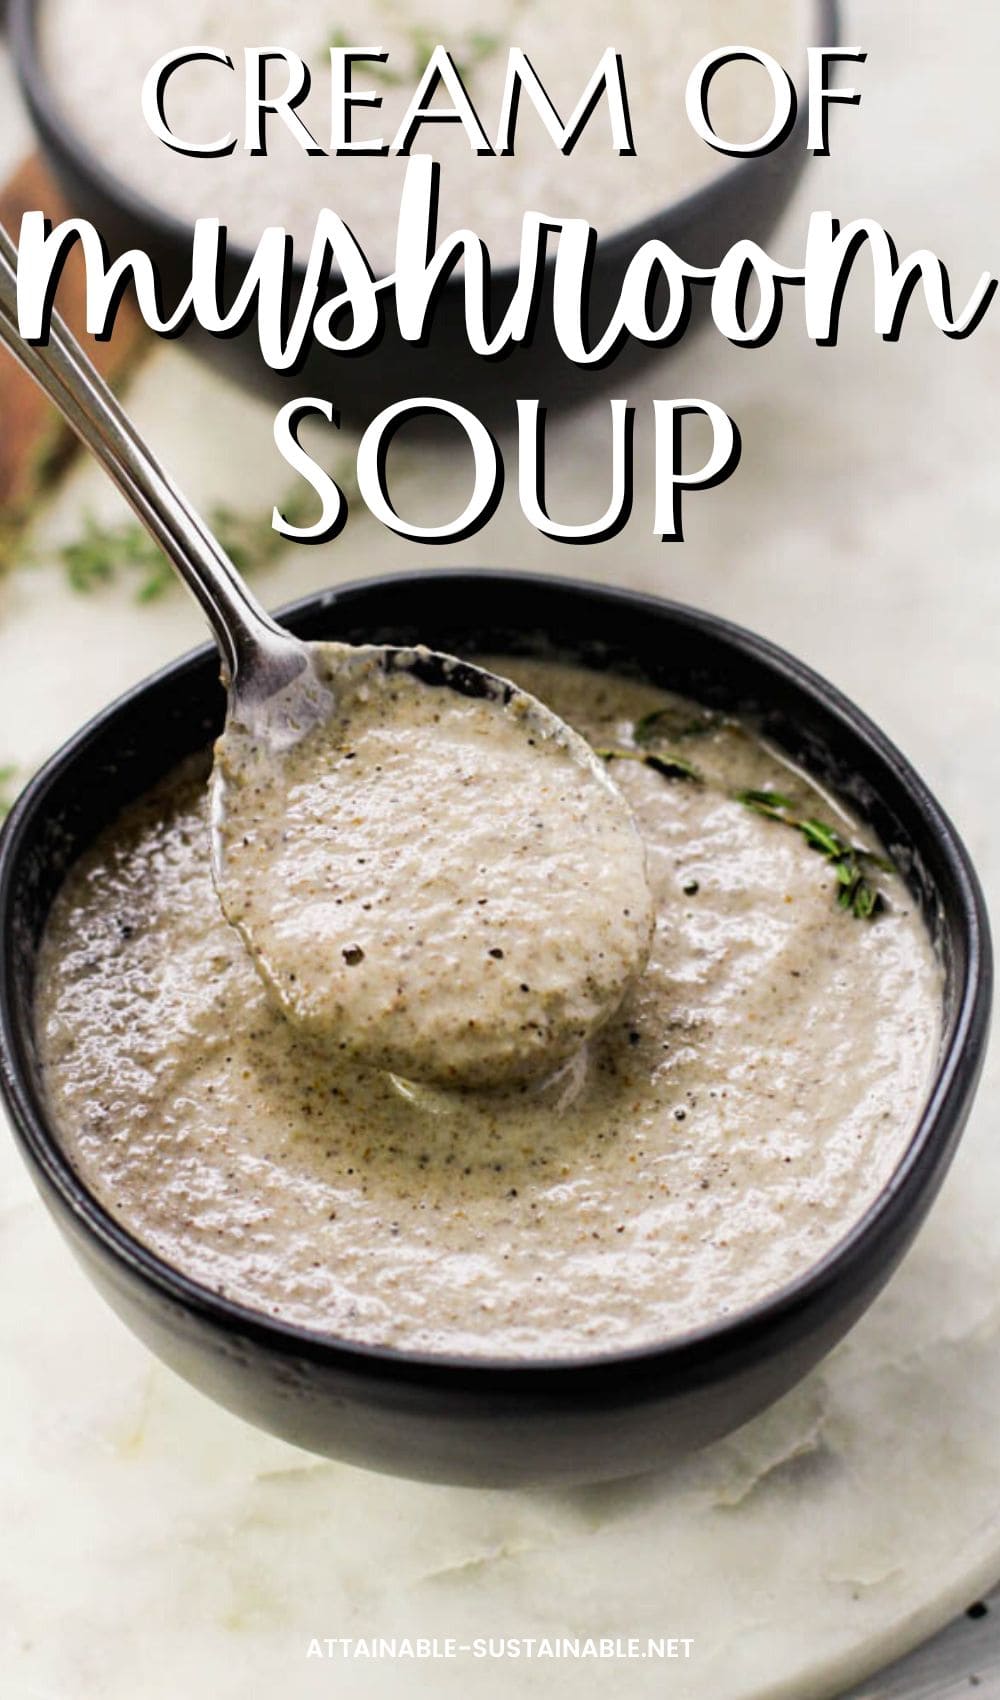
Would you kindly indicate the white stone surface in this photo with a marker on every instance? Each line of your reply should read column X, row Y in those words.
column 155, row 1546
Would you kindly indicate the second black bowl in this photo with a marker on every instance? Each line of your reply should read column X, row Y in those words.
column 742, row 201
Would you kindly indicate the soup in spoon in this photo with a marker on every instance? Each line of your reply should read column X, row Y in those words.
column 442, row 884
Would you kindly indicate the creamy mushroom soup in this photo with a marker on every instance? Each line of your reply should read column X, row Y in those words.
column 720, row 1134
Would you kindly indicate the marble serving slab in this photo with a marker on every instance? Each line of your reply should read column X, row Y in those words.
column 962, row 1661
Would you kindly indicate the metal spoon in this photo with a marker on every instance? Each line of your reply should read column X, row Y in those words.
column 569, row 895
column 260, row 659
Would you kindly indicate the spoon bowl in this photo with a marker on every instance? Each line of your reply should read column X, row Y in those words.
column 432, row 873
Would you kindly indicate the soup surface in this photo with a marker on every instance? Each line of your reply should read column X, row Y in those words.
column 718, row 1136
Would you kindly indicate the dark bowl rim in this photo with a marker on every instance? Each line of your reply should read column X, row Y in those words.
column 51, row 121
column 692, row 1355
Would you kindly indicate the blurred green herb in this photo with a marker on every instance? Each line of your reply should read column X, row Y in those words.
column 473, row 48
column 855, row 891
column 107, row 553
column 103, row 552
column 379, row 71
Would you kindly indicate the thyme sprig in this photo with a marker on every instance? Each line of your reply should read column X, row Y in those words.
column 674, row 722
column 855, row 891
column 671, row 766
column 851, row 863
column 667, row 725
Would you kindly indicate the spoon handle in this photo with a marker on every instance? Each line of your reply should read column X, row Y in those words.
column 243, row 629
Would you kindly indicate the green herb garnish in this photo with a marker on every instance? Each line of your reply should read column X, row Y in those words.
column 855, row 891
column 673, row 723
column 666, row 762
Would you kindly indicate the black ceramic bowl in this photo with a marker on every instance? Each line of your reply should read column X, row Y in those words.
column 476, row 1421
column 743, row 200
